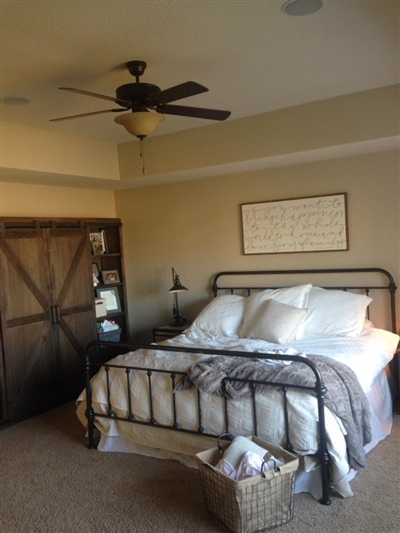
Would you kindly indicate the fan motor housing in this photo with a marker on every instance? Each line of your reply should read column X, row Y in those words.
column 137, row 93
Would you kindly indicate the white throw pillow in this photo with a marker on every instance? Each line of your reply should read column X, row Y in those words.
column 277, row 322
column 294, row 296
column 335, row 313
column 222, row 316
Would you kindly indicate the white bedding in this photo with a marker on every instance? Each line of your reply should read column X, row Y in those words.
column 366, row 354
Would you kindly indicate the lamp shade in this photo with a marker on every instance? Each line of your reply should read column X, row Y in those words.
column 177, row 287
column 140, row 123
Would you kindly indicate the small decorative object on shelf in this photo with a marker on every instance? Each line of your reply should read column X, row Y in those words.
column 100, row 307
column 177, row 287
column 96, row 274
column 98, row 242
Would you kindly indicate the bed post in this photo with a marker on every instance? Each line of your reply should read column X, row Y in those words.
column 89, row 409
column 323, row 446
column 392, row 291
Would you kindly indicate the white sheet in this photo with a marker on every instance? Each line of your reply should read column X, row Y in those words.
column 366, row 354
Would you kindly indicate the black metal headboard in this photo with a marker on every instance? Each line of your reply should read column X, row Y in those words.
column 387, row 283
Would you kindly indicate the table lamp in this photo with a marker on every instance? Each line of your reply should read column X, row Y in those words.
column 177, row 287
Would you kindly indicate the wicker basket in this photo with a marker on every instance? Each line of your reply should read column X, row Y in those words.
column 253, row 504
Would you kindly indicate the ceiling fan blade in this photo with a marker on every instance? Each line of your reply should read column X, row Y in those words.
column 88, row 114
column 183, row 90
column 96, row 95
column 195, row 112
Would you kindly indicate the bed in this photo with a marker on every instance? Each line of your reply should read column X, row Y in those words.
column 305, row 365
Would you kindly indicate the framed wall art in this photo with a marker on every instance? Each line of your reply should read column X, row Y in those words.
column 311, row 224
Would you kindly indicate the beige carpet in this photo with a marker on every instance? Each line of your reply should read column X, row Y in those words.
column 51, row 483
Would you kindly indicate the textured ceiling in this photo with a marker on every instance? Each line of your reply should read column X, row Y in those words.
column 251, row 56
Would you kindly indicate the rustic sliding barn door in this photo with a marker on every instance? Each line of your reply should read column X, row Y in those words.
column 29, row 344
column 72, row 304
column 46, row 315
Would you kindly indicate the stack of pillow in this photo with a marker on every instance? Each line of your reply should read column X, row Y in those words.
column 285, row 315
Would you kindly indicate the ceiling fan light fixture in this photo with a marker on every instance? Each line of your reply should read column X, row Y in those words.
column 140, row 123
column 301, row 7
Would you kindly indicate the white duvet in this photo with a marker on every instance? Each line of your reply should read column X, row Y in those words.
column 366, row 354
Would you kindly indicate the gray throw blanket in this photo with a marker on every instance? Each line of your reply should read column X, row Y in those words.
column 344, row 396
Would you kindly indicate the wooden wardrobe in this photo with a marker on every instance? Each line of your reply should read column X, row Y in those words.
column 47, row 311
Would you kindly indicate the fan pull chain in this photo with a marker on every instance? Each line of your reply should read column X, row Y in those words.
column 142, row 157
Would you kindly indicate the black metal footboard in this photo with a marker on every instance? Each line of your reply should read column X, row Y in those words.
column 92, row 365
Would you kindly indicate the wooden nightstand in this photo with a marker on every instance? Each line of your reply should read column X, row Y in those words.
column 161, row 333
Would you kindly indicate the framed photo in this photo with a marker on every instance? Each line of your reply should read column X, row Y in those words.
column 98, row 242
column 111, row 296
column 110, row 277
column 312, row 224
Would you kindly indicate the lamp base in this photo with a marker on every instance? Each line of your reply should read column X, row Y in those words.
column 179, row 321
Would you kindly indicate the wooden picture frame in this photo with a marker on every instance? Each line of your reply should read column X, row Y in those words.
column 111, row 296
column 310, row 224
column 98, row 243
column 110, row 276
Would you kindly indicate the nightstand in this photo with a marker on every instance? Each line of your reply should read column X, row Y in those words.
column 161, row 333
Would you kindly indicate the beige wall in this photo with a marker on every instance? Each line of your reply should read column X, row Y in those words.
column 23, row 200
column 34, row 149
column 195, row 227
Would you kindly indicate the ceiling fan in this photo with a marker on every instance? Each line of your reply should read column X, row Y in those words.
column 148, row 103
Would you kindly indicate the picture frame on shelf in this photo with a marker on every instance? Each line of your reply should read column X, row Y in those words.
column 98, row 243
column 111, row 296
column 110, row 276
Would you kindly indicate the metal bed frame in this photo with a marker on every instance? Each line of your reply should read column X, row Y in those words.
column 318, row 390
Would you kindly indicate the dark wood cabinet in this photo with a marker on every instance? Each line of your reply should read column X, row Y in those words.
column 47, row 312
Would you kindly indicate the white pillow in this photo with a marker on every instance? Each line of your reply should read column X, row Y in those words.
column 333, row 312
column 222, row 316
column 294, row 296
column 277, row 322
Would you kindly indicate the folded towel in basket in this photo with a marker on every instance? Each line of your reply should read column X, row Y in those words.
column 238, row 447
column 244, row 458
